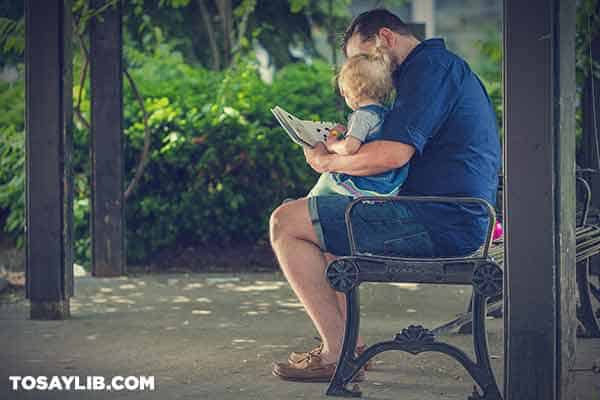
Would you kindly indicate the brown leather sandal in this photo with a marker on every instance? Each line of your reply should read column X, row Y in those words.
column 298, row 356
column 310, row 369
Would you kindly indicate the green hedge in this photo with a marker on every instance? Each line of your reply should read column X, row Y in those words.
column 218, row 164
column 12, row 159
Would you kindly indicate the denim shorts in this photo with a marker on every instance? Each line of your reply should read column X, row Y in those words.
column 389, row 229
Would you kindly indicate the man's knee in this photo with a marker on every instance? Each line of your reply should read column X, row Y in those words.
column 290, row 220
column 278, row 224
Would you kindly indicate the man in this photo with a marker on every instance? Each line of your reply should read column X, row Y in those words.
column 443, row 123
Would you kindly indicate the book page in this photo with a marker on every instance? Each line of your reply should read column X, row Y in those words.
column 293, row 127
column 307, row 132
column 288, row 127
column 317, row 130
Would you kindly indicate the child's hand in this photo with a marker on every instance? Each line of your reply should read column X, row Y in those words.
column 338, row 130
column 343, row 146
column 331, row 139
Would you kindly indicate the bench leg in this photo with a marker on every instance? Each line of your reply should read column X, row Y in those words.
column 485, row 375
column 415, row 340
column 464, row 321
column 595, row 291
column 589, row 301
column 466, row 328
column 347, row 366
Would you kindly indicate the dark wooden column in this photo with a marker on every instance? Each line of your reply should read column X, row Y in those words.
column 539, row 71
column 49, row 191
column 107, row 222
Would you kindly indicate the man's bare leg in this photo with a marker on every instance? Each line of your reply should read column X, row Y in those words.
column 341, row 299
column 303, row 264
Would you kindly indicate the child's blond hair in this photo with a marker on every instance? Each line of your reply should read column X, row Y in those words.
column 367, row 76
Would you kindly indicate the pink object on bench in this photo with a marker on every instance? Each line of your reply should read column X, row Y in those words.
column 498, row 231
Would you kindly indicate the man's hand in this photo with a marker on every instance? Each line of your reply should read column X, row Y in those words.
column 316, row 157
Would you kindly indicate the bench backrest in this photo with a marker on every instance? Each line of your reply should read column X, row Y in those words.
column 583, row 187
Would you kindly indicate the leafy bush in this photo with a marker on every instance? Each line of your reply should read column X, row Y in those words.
column 12, row 181
column 219, row 162
column 12, row 101
column 489, row 70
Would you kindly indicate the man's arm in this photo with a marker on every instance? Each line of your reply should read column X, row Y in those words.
column 371, row 159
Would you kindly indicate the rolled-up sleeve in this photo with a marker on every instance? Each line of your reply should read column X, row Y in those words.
column 426, row 91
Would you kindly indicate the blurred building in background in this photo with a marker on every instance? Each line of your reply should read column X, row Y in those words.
column 464, row 24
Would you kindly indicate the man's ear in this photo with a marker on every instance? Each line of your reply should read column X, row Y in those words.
column 386, row 37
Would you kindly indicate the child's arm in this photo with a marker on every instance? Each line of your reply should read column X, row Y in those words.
column 345, row 147
column 359, row 126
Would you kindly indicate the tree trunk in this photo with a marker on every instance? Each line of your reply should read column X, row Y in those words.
column 331, row 35
column 212, row 41
column 226, row 14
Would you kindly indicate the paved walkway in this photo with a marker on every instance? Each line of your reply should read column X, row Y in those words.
column 214, row 336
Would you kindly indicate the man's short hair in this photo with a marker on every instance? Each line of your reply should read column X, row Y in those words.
column 368, row 24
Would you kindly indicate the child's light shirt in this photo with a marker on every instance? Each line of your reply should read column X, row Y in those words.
column 365, row 125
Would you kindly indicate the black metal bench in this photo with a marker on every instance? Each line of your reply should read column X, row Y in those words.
column 480, row 270
column 587, row 237
column 588, row 250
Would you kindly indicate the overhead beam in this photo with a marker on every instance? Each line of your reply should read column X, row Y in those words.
column 49, row 191
column 106, row 72
column 539, row 148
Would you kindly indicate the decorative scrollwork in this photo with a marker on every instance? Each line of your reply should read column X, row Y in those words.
column 342, row 275
column 415, row 334
column 487, row 279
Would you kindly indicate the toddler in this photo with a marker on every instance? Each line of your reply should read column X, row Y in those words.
column 365, row 82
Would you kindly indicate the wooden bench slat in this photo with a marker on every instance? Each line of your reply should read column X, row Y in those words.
column 587, row 244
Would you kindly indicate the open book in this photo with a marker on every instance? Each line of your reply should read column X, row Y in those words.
column 303, row 132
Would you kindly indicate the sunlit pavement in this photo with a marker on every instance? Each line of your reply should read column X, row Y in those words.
column 208, row 336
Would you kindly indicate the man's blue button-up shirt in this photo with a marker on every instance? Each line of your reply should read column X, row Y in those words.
column 444, row 112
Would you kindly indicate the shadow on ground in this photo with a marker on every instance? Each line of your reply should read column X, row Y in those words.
column 214, row 336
